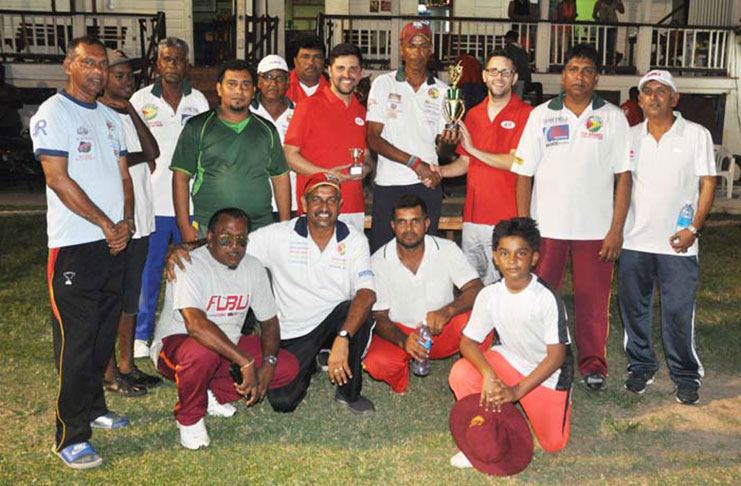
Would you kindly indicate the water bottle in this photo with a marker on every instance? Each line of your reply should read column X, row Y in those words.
column 685, row 217
column 422, row 368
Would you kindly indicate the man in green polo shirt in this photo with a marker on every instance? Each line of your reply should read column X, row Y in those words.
column 232, row 155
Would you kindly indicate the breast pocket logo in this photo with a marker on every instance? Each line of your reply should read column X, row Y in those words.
column 84, row 147
column 508, row 124
column 557, row 133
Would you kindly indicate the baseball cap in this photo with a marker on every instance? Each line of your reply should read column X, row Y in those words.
column 117, row 56
column 270, row 62
column 496, row 443
column 321, row 179
column 416, row 27
column 660, row 76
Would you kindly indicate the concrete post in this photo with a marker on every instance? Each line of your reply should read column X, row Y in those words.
column 643, row 50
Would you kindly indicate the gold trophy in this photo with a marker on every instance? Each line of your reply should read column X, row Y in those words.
column 453, row 106
column 356, row 169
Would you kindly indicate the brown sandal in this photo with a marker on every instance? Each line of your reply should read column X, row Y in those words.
column 123, row 387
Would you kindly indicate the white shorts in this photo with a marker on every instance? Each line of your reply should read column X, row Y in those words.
column 356, row 220
column 476, row 245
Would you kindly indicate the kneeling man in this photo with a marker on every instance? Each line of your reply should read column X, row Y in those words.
column 415, row 278
column 198, row 333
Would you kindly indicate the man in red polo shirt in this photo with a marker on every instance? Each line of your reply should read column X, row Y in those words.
column 307, row 77
column 325, row 128
column 491, row 132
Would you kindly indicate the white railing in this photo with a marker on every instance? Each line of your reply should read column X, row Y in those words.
column 690, row 48
column 624, row 48
column 35, row 33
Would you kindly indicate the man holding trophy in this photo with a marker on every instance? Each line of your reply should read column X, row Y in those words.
column 407, row 129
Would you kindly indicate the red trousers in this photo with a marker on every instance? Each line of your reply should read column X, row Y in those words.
column 547, row 410
column 592, row 278
column 385, row 361
column 195, row 369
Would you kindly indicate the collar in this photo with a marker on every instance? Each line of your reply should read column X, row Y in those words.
column 255, row 103
column 293, row 79
column 334, row 99
column 301, row 227
column 677, row 126
column 401, row 77
column 557, row 102
column 157, row 87
column 89, row 106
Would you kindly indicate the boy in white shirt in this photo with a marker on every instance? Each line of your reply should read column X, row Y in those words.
column 532, row 363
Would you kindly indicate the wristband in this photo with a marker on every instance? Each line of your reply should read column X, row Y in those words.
column 247, row 365
column 412, row 161
column 693, row 230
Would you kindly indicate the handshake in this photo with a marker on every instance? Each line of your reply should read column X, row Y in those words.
column 430, row 174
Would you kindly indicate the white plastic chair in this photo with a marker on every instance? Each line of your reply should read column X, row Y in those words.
column 727, row 176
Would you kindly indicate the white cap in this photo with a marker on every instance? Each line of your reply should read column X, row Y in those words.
column 270, row 62
column 660, row 76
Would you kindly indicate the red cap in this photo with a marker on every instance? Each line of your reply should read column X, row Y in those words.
column 321, row 179
column 416, row 28
column 499, row 444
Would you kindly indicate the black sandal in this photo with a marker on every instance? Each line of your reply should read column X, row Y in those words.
column 123, row 388
column 138, row 378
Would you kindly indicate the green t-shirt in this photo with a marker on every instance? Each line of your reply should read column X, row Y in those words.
column 232, row 165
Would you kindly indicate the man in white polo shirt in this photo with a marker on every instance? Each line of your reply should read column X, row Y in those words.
column 271, row 103
column 324, row 288
column 165, row 106
column 575, row 147
column 416, row 275
column 404, row 120
column 674, row 165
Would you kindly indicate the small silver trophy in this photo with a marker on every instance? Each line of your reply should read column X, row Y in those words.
column 356, row 169
column 453, row 106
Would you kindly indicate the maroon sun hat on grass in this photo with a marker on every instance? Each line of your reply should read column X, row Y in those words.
column 496, row 443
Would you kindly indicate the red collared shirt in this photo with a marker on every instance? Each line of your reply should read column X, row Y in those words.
column 296, row 93
column 325, row 130
column 633, row 112
column 490, row 192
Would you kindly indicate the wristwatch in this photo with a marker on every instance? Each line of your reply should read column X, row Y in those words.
column 130, row 219
column 344, row 334
column 270, row 360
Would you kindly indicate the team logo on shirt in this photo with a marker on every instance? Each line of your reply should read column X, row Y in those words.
column 594, row 123
column 149, row 111
column 433, row 93
column 40, row 126
column 395, row 97
column 84, row 147
column 359, row 121
column 82, row 131
column 341, row 248
column 227, row 304
column 556, row 134
column 508, row 124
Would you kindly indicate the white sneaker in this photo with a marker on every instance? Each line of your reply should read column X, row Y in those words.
column 216, row 409
column 141, row 349
column 194, row 436
column 460, row 461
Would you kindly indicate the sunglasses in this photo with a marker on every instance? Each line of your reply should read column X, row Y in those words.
column 228, row 240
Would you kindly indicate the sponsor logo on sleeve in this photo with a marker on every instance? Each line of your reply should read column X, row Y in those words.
column 40, row 126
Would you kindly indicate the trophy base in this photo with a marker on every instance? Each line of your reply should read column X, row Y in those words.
column 356, row 170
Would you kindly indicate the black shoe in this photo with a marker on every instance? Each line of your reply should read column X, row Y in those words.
column 687, row 393
column 138, row 378
column 124, row 388
column 595, row 381
column 322, row 359
column 361, row 406
column 637, row 381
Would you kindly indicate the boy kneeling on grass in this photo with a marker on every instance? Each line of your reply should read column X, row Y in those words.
column 532, row 363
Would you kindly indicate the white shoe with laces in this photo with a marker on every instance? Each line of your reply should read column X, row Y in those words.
column 194, row 436
column 216, row 409
column 460, row 461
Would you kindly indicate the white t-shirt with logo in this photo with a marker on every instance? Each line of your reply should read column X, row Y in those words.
column 166, row 125
column 281, row 124
column 526, row 322
column 142, row 182
column 410, row 296
column 90, row 136
column 223, row 294
column 574, row 161
column 411, row 121
column 666, row 177
column 309, row 283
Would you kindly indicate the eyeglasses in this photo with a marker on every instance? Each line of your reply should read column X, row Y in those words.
column 505, row 73
column 229, row 240
column 280, row 78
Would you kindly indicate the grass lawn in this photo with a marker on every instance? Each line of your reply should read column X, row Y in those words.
column 616, row 438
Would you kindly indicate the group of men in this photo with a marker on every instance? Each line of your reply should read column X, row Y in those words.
column 272, row 179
